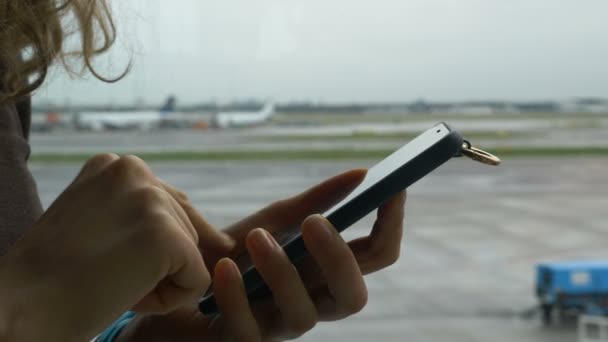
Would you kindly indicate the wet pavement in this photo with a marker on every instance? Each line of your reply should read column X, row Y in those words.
column 474, row 234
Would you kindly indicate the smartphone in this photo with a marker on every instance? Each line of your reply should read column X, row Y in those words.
column 383, row 181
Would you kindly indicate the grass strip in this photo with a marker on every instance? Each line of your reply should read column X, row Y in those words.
column 373, row 136
column 334, row 154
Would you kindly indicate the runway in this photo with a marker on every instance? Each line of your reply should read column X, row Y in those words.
column 473, row 236
column 291, row 135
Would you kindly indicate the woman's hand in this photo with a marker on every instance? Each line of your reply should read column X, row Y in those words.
column 328, row 285
column 115, row 240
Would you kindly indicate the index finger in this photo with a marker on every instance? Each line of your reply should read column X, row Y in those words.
column 213, row 243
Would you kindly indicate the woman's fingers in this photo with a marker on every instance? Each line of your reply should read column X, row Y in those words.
column 297, row 309
column 215, row 243
column 347, row 293
column 201, row 225
column 382, row 247
column 186, row 277
column 181, row 216
column 332, row 272
column 95, row 165
column 231, row 298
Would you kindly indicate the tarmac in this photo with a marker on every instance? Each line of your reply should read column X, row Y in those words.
column 473, row 236
column 570, row 131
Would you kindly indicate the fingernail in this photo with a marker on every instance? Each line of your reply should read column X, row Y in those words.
column 262, row 240
column 323, row 229
column 229, row 269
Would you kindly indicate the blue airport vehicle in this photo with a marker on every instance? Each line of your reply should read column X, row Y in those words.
column 572, row 287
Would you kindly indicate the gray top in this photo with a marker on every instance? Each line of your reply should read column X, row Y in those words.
column 19, row 203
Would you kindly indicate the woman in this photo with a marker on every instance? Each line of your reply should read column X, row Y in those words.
column 119, row 238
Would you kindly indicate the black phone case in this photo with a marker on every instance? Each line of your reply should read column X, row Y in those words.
column 356, row 209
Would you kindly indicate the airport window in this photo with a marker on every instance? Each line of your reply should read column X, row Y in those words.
column 240, row 104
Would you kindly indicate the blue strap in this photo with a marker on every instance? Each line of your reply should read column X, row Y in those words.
column 110, row 334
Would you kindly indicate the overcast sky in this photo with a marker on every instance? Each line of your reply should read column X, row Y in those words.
column 350, row 50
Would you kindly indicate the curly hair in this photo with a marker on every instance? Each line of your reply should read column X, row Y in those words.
column 33, row 35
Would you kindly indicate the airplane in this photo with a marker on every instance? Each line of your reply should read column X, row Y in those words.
column 167, row 117
column 46, row 122
column 243, row 119
column 133, row 120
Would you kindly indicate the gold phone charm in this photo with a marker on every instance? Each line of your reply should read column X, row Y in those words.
column 477, row 154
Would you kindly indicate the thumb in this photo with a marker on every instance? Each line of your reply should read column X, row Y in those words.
column 325, row 195
column 290, row 212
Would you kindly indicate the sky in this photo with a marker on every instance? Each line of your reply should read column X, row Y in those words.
column 348, row 51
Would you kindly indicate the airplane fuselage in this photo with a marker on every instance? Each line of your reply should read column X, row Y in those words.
column 243, row 119
column 98, row 121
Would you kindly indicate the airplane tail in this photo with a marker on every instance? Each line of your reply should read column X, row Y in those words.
column 169, row 106
column 268, row 110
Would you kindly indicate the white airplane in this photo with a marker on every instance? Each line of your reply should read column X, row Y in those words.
column 243, row 119
column 136, row 120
